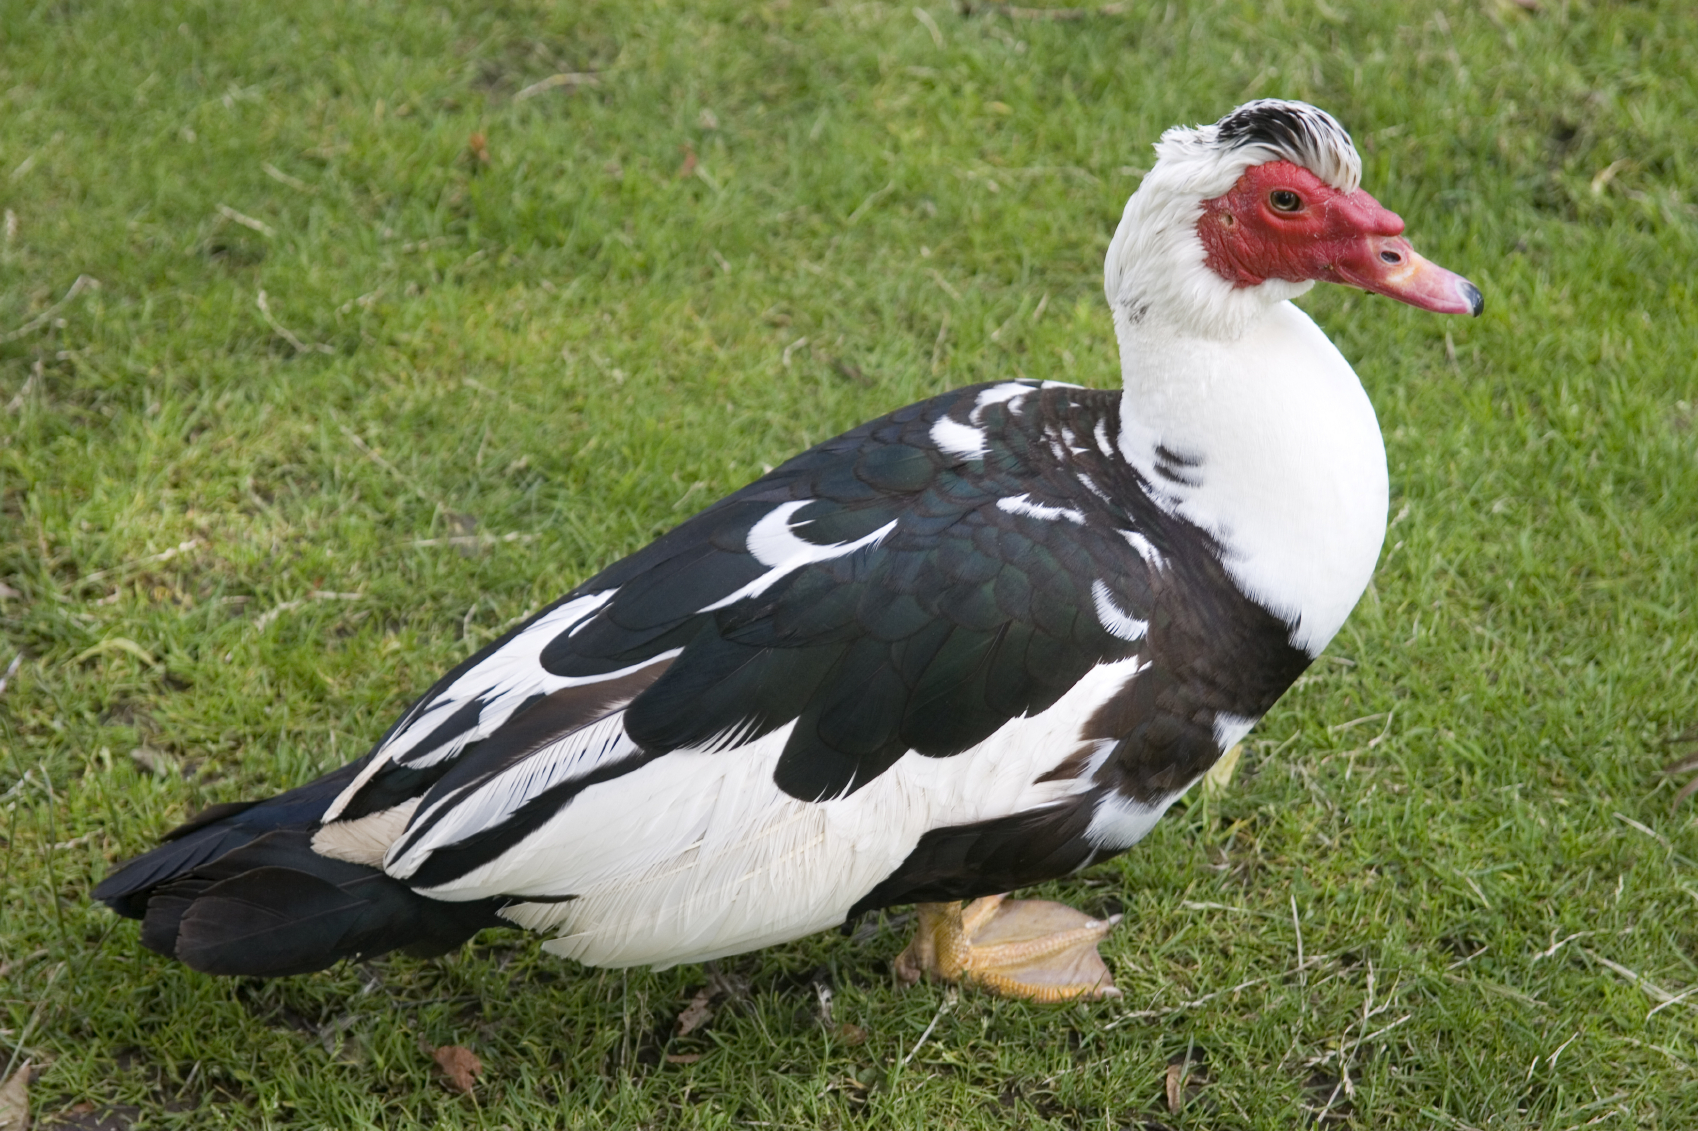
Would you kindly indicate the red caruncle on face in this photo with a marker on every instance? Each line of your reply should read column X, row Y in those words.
column 1281, row 221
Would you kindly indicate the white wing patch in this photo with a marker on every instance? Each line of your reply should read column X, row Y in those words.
column 1090, row 485
column 1070, row 440
column 483, row 805
column 1231, row 729
column 1023, row 504
column 1104, row 444
column 501, row 682
column 958, row 439
column 1120, row 822
column 1118, row 623
column 997, row 394
column 773, row 543
column 1152, row 556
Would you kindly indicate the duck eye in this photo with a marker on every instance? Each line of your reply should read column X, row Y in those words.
column 1284, row 200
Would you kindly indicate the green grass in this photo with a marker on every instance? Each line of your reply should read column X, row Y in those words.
column 582, row 339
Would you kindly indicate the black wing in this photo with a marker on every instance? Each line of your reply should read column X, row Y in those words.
column 910, row 585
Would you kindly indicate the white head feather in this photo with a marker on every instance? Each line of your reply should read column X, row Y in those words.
column 1155, row 267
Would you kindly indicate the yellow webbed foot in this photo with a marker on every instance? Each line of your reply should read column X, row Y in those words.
column 1021, row 948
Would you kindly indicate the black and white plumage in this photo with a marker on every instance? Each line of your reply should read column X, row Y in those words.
column 978, row 643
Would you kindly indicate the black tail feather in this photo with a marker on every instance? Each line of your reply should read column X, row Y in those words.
column 270, row 921
column 276, row 907
column 240, row 890
column 129, row 890
column 212, row 833
column 211, row 815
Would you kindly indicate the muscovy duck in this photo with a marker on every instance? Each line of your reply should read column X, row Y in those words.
column 982, row 642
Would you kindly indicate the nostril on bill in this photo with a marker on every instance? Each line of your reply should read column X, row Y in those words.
column 1390, row 257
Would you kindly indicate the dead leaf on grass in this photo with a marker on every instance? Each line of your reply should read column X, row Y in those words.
column 697, row 1013
column 85, row 1116
column 459, row 1065
column 1187, row 1073
column 850, row 1034
column 850, row 372
column 156, row 762
column 14, row 1100
column 683, row 1057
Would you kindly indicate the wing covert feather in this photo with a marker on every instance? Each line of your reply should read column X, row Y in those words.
column 893, row 605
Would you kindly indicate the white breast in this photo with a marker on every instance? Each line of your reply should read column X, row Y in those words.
column 1290, row 471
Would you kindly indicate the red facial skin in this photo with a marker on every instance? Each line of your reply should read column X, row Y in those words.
column 1328, row 235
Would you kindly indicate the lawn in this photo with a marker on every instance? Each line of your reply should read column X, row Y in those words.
column 397, row 321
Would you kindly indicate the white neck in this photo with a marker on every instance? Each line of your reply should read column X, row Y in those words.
column 1279, row 452
column 1279, row 459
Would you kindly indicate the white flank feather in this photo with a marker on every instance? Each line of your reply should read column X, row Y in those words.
column 473, row 809
column 698, row 855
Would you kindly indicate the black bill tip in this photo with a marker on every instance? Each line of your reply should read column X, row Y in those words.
column 1476, row 301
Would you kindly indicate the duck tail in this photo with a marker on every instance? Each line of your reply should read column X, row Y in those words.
column 239, row 890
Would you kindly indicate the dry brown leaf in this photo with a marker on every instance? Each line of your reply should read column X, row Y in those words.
column 848, row 1034
column 156, row 762
column 460, row 1066
column 1175, row 1085
column 14, row 1100
column 697, row 1013
column 478, row 146
column 688, row 167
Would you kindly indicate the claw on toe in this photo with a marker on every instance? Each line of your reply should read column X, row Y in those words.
column 1022, row 948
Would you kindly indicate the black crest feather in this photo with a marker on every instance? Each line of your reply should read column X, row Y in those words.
column 1296, row 132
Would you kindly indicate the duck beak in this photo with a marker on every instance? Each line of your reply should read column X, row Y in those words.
column 1387, row 265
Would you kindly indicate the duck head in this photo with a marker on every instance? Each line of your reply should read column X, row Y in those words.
column 1252, row 211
